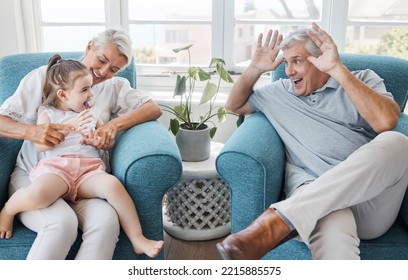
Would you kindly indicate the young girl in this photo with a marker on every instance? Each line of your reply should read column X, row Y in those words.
column 74, row 168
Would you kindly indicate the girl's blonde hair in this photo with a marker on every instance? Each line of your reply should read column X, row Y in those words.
column 61, row 74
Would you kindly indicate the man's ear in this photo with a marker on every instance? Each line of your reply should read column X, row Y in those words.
column 62, row 95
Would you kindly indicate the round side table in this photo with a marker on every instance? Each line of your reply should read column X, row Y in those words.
column 198, row 208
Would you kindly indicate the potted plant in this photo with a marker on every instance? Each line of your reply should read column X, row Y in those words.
column 193, row 135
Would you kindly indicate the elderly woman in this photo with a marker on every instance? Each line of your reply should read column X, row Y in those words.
column 120, row 107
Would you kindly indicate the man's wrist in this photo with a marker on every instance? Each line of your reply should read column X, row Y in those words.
column 339, row 73
column 253, row 73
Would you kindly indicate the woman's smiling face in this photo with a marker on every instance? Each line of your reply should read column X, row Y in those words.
column 104, row 62
column 305, row 77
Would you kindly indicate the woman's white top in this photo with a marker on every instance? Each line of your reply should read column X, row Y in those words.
column 112, row 98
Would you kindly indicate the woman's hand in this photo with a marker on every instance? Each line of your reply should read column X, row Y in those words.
column 107, row 133
column 49, row 134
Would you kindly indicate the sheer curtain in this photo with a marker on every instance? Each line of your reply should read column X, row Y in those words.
column 12, row 28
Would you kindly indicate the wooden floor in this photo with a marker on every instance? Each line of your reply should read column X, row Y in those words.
column 177, row 249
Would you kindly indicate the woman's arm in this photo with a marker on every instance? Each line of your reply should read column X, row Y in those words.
column 147, row 112
column 42, row 119
column 18, row 113
column 46, row 134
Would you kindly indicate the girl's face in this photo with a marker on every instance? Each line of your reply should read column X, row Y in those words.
column 103, row 63
column 77, row 97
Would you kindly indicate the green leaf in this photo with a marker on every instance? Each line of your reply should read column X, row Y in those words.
column 180, row 87
column 192, row 71
column 182, row 48
column 180, row 111
column 215, row 61
column 185, row 85
column 209, row 92
column 240, row 120
column 212, row 132
column 203, row 75
column 224, row 74
column 222, row 114
column 174, row 126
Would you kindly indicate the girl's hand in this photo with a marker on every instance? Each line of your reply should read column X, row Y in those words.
column 81, row 120
column 91, row 138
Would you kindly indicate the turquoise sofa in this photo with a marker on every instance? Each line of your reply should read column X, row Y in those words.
column 252, row 163
column 145, row 159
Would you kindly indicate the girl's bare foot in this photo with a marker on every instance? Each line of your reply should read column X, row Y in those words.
column 6, row 225
column 149, row 247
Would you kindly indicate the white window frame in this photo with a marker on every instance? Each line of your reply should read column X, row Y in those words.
column 333, row 19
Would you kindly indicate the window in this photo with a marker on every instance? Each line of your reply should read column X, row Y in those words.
column 216, row 28
column 375, row 26
column 253, row 17
column 160, row 26
column 71, row 29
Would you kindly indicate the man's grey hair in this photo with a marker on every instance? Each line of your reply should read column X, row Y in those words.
column 118, row 38
column 300, row 35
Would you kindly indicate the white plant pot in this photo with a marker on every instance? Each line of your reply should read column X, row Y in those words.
column 194, row 145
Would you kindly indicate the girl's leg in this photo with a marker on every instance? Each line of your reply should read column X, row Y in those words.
column 108, row 187
column 56, row 226
column 40, row 194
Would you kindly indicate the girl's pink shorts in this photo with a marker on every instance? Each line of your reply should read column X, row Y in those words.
column 73, row 170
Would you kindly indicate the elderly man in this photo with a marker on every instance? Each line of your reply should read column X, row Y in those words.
column 346, row 172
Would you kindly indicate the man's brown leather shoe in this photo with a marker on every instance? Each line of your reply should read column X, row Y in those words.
column 265, row 233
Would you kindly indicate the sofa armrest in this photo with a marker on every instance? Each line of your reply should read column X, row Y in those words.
column 252, row 163
column 147, row 161
column 402, row 127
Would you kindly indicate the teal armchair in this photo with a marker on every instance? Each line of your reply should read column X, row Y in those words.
column 147, row 169
column 252, row 163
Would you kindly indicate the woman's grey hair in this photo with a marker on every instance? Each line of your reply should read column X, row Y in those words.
column 118, row 38
column 300, row 35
